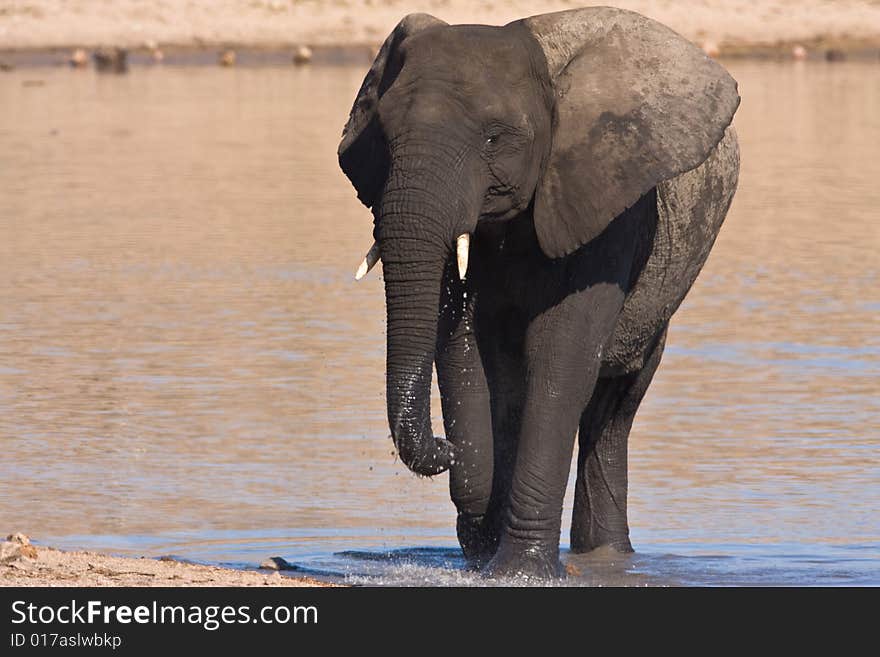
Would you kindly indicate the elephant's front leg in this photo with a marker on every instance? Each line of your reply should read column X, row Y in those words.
column 563, row 353
column 468, row 423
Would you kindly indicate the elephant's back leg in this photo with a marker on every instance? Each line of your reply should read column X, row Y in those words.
column 600, row 517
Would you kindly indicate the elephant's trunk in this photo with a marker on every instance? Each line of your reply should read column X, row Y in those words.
column 415, row 249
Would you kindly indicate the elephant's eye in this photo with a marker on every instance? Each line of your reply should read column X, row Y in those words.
column 499, row 138
column 493, row 142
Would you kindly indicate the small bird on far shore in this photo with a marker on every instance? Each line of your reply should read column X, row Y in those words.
column 111, row 60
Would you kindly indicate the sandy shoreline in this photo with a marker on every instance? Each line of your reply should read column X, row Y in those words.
column 30, row 565
column 732, row 27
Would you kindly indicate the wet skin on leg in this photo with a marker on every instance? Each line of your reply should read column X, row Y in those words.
column 467, row 420
column 557, row 389
column 565, row 335
column 599, row 517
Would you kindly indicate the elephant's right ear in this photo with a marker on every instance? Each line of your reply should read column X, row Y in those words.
column 636, row 104
column 362, row 151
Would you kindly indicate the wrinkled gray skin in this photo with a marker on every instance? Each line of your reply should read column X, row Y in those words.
column 590, row 155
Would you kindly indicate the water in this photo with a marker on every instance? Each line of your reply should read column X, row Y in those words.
column 188, row 368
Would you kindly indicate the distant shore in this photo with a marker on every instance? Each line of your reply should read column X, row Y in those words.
column 268, row 32
column 23, row 564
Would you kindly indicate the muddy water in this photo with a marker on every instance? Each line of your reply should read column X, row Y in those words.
column 187, row 367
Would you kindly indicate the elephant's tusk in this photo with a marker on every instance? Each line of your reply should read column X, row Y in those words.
column 370, row 260
column 462, row 246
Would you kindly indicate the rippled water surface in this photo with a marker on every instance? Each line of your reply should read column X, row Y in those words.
column 187, row 367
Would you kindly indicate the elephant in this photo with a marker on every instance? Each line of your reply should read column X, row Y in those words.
column 544, row 195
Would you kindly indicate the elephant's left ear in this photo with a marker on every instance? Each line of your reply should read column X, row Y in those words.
column 361, row 152
column 636, row 104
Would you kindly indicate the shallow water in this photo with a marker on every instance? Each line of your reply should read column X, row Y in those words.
column 187, row 367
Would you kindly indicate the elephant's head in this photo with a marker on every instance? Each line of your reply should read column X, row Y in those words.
column 576, row 115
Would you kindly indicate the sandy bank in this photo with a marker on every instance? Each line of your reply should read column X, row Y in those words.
column 44, row 566
column 732, row 25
